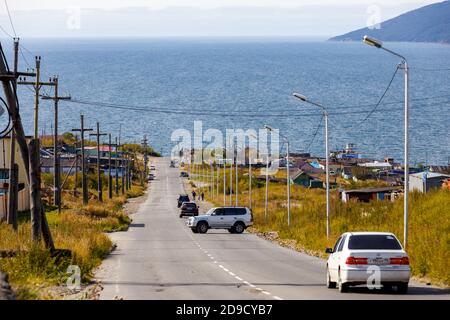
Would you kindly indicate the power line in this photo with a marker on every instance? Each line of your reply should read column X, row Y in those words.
column 314, row 135
column 212, row 113
column 6, row 32
column 10, row 19
column 382, row 96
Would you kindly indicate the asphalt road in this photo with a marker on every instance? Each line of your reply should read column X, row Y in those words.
column 160, row 258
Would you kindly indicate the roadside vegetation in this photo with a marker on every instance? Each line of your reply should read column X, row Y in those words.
column 33, row 272
column 429, row 221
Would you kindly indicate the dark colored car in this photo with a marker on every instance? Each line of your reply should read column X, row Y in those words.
column 184, row 174
column 189, row 209
column 183, row 198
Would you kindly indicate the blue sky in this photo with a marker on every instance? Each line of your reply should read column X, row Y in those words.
column 161, row 18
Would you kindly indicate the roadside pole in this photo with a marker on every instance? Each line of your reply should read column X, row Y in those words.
column 116, row 167
column 38, row 218
column 99, row 174
column 267, row 188
column 84, row 184
column 13, row 168
column 56, row 162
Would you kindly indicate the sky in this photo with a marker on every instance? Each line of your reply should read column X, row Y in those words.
column 192, row 18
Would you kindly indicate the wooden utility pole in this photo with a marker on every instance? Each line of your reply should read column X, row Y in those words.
column 110, row 178
column 99, row 175
column 75, row 183
column 39, row 220
column 82, row 130
column 116, row 165
column 122, row 162
column 56, row 164
column 145, row 145
column 13, row 167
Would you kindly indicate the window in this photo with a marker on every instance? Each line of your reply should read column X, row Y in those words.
column 374, row 242
column 4, row 174
column 336, row 244
column 219, row 212
column 341, row 245
column 235, row 211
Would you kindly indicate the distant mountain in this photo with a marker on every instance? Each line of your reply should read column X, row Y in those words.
column 427, row 24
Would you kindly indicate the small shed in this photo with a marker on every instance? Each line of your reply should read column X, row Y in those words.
column 306, row 180
column 426, row 181
column 369, row 194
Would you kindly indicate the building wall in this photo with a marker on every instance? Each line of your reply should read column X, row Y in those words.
column 416, row 184
column 24, row 194
column 5, row 147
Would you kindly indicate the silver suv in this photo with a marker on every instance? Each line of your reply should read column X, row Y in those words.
column 234, row 219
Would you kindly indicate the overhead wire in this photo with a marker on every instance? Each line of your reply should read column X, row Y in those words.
column 10, row 19
column 308, row 149
column 381, row 98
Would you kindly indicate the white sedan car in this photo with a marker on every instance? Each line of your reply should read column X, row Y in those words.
column 372, row 258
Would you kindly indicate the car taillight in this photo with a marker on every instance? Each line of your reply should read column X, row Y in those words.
column 402, row 261
column 355, row 261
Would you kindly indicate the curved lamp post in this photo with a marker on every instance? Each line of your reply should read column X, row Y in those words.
column 378, row 44
column 325, row 114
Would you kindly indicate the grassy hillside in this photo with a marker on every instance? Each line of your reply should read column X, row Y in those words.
column 429, row 227
column 33, row 273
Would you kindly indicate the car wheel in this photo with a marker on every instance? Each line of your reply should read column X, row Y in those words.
column 202, row 227
column 402, row 288
column 239, row 227
column 330, row 284
column 181, row 216
column 231, row 230
column 343, row 287
column 194, row 230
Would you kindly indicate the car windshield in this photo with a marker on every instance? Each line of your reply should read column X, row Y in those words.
column 374, row 242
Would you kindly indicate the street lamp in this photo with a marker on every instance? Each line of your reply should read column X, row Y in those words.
column 237, row 173
column 250, row 171
column 325, row 114
column 378, row 44
column 268, row 128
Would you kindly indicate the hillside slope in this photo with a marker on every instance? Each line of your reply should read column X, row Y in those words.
column 427, row 24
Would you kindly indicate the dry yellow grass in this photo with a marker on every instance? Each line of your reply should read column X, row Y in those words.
column 429, row 221
column 80, row 229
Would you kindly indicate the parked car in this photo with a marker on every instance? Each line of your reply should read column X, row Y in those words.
column 189, row 209
column 352, row 260
column 151, row 176
column 184, row 174
column 182, row 198
column 172, row 164
column 152, row 168
column 234, row 219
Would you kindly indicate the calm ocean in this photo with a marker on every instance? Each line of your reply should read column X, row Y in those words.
column 248, row 83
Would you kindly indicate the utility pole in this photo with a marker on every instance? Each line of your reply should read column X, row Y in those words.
column 13, row 167
column 38, row 219
column 122, row 162
column 116, row 165
column 56, row 167
column 145, row 145
column 99, row 175
column 76, row 167
column 110, row 182
column 82, row 130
